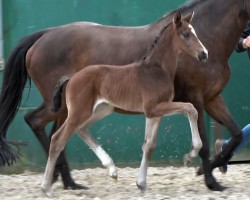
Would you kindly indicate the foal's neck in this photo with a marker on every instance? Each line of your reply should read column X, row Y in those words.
column 164, row 55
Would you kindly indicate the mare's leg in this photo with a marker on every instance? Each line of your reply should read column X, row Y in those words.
column 245, row 139
column 210, row 181
column 100, row 112
column 37, row 120
column 218, row 110
column 151, row 130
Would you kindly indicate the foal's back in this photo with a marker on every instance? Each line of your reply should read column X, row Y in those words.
column 122, row 87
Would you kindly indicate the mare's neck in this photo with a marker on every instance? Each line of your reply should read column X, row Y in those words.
column 223, row 27
column 157, row 26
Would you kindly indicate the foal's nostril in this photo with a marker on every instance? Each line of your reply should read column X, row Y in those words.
column 203, row 56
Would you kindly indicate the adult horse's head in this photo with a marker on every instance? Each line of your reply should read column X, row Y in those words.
column 186, row 40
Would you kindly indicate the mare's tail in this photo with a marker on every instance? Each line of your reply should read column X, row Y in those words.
column 57, row 96
column 14, row 79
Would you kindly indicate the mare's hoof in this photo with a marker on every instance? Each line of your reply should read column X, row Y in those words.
column 213, row 185
column 200, row 171
column 187, row 160
column 75, row 186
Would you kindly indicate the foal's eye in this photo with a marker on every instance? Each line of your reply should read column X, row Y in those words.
column 186, row 35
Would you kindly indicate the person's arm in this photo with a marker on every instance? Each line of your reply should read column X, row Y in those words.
column 244, row 41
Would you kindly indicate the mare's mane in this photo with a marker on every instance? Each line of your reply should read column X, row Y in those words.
column 188, row 6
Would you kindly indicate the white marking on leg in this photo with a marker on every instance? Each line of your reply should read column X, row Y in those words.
column 48, row 175
column 106, row 161
column 151, row 130
column 196, row 140
column 47, row 178
column 101, row 109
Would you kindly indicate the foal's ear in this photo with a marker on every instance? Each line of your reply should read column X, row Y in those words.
column 189, row 17
column 177, row 20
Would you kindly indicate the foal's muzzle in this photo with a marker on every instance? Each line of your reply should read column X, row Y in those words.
column 203, row 56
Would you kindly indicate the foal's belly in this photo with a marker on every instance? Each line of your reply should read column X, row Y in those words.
column 123, row 105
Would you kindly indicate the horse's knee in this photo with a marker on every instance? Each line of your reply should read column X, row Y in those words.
column 33, row 122
column 191, row 110
column 56, row 145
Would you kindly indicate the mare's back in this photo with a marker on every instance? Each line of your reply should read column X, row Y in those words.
column 81, row 44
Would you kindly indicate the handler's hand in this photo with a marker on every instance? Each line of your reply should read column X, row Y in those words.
column 246, row 42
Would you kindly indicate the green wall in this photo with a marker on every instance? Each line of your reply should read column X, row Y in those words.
column 120, row 135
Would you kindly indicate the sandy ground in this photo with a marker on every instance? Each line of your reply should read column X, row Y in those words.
column 163, row 183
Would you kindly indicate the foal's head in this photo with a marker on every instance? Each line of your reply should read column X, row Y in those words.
column 185, row 38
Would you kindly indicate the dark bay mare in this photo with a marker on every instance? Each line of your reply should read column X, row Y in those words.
column 47, row 55
column 144, row 86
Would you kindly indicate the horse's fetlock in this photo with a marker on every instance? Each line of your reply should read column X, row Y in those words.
column 238, row 138
column 197, row 145
column 151, row 147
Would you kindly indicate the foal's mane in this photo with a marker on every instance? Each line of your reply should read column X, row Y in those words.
column 156, row 41
column 188, row 6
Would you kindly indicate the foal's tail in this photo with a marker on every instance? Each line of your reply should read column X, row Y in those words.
column 14, row 79
column 57, row 96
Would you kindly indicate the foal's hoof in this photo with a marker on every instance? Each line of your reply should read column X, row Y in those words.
column 114, row 179
column 141, row 186
column 47, row 192
column 75, row 186
column 213, row 185
column 113, row 173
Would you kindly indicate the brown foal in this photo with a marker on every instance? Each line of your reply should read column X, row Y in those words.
column 145, row 86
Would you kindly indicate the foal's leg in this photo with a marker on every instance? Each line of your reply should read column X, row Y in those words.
column 170, row 108
column 62, row 164
column 100, row 112
column 37, row 121
column 99, row 151
column 58, row 143
column 151, row 130
column 154, row 114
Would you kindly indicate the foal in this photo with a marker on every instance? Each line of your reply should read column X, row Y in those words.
column 145, row 86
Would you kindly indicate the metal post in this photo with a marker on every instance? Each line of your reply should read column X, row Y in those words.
column 1, row 37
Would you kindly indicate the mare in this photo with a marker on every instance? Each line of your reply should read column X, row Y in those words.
column 145, row 86
column 47, row 55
